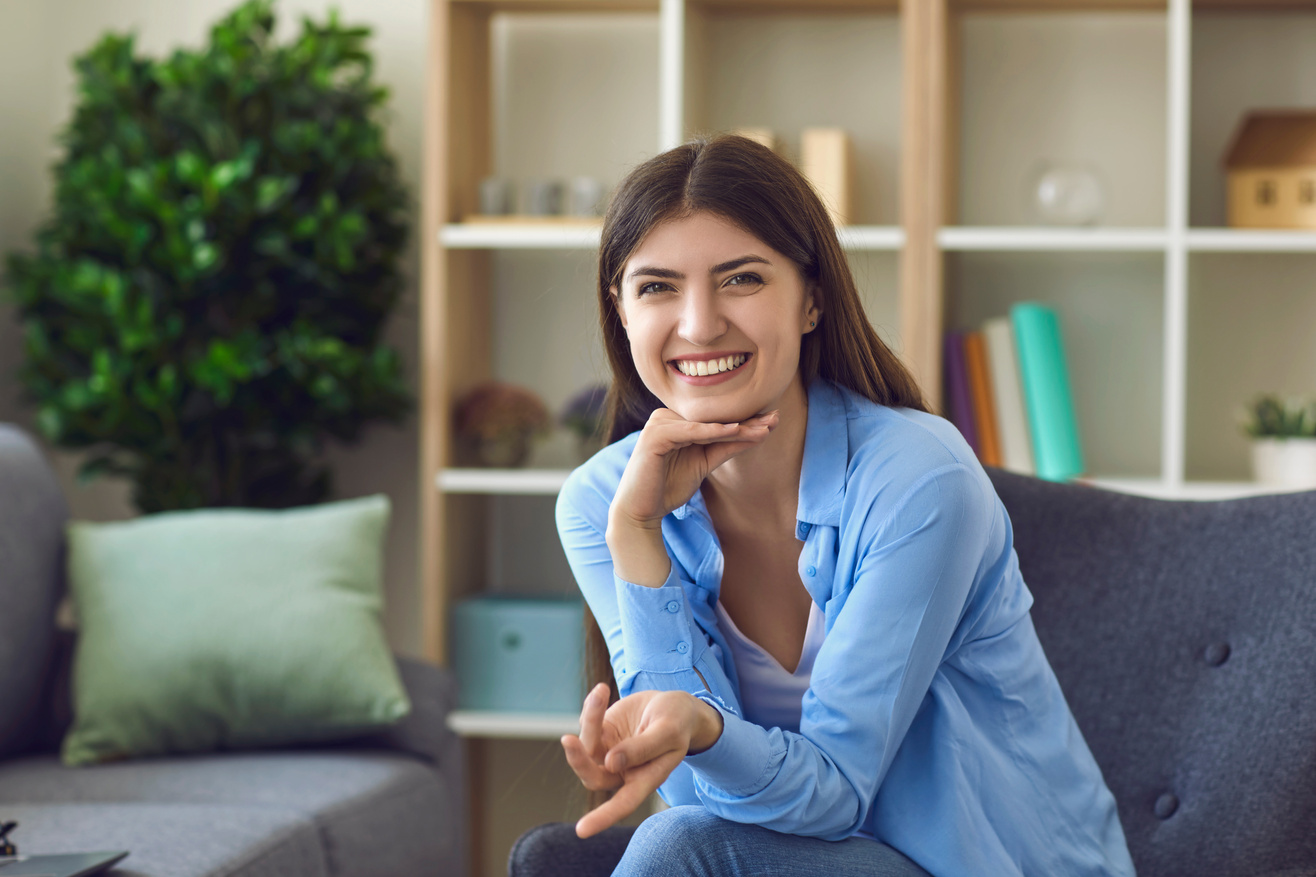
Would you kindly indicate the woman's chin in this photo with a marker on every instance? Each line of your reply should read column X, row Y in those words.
column 714, row 410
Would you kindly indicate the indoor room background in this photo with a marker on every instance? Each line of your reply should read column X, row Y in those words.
column 579, row 94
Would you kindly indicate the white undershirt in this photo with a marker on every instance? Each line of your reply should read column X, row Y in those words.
column 769, row 695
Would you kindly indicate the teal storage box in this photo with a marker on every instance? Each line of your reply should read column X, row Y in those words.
column 520, row 654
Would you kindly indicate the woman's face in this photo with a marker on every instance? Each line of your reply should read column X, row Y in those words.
column 714, row 317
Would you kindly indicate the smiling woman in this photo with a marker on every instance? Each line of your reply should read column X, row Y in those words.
column 813, row 637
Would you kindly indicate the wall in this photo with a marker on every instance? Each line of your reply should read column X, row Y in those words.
column 38, row 39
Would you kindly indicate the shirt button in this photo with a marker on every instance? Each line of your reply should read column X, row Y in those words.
column 812, row 571
column 804, row 528
column 673, row 606
column 683, row 647
column 1165, row 805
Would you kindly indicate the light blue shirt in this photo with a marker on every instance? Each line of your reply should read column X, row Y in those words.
column 932, row 720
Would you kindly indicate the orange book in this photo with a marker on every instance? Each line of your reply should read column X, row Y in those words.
column 984, row 406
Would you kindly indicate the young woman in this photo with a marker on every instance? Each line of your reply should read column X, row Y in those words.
column 820, row 638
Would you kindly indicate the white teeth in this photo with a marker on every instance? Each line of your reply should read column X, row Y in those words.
column 710, row 366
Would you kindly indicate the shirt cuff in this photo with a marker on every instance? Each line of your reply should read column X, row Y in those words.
column 658, row 632
column 744, row 757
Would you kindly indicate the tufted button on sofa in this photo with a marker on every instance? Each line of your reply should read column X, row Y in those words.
column 1184, row 637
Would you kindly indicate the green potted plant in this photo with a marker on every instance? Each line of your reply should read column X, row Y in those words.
column 498, row 421
column 1283, row 433
column 203, row 310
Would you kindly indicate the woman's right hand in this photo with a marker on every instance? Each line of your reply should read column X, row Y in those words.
column 671, row 460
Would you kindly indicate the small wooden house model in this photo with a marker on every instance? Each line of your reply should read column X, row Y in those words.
column 1271, row 166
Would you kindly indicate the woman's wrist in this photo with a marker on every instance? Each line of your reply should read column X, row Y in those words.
column 639, row 554
column 708, row 726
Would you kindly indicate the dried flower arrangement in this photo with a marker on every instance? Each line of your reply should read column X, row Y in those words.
column 499, row 420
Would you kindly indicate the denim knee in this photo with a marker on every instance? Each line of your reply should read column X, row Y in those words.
column 682, row 840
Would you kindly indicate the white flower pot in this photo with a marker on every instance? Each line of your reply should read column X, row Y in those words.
column 1286, row 463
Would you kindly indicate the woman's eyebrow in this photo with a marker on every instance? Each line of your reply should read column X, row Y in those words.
column 669, row 274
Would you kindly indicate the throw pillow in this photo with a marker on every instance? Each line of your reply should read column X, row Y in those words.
column 228, row 629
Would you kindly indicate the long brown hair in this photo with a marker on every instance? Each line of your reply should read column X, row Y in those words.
column 752, row 187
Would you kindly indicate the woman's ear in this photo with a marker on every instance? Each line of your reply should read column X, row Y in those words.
column 616, row 302
column 812, row 311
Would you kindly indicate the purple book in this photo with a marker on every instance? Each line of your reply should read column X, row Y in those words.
column 959, row 399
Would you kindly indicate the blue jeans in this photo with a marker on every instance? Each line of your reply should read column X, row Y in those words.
column 691, row 842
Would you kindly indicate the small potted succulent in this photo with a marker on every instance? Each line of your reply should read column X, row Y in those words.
column 1283, row 435
column 584, row 417
column 498, row 421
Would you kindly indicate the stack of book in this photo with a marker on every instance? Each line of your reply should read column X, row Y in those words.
column 1008, row 391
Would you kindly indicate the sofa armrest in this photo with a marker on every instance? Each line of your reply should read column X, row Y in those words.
column 424, row 732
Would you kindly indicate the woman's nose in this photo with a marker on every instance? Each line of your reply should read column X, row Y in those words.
column 702, row 322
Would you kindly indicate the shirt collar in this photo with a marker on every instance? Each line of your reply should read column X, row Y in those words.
column 826, row 458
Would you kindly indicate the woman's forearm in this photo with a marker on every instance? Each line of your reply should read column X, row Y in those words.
column 638, row 553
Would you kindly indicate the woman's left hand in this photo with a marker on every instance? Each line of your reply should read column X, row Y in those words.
column 634, row 745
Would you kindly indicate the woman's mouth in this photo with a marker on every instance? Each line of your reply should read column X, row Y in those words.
column 702, row 367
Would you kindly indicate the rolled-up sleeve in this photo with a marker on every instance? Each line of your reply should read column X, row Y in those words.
column 653, row 640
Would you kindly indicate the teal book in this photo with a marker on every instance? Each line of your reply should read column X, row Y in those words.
column 1057, row 454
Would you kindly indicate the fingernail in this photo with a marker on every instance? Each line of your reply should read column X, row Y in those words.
column 620, row 761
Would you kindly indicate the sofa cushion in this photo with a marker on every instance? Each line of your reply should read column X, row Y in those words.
column 229, row 628
column 377, row 813
column 32, row 516
column 169, row 840
column 1184, row 637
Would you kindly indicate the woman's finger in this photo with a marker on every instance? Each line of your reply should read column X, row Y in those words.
column 591, row 721
column 641, row 782
column 593, row 775
column 655, row 741
column 669, row 435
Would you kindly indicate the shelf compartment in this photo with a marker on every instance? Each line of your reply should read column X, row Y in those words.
column 551, row 116
column 514, row 482
column 1024, row 238
column 1241, row 61
column 1250, row 322
column 747, row 69
column 512, row 726
column 1111, row 310
column 1032, row 88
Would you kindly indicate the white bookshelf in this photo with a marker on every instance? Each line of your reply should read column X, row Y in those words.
column 1154, row 300
column 585, row 236
column 513, row 725
column 966, row 239
column 1231, row 240
column 513, row 482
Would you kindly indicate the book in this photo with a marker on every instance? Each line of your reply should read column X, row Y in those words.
column 980, row 392
column 1007, row 394
column 958, row 400
column 1047, row 394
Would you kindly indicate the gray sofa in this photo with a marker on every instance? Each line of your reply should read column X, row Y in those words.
column 1184, row 637
column 388, row 804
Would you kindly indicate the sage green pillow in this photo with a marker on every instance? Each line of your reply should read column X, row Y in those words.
column 229, row 629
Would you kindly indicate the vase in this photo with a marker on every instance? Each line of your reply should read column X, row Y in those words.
column 504, row 452
column 1288, row 463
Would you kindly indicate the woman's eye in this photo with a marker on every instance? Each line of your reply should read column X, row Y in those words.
column 744, row 279
column 646, row 288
